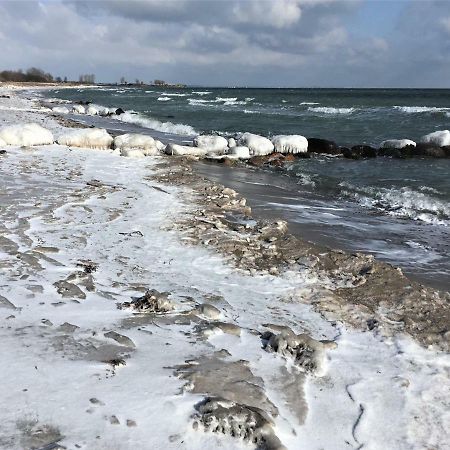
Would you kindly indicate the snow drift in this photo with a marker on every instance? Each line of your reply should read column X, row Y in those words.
column 27, row 134
column 290, row 144
column 440, row 138
column 258, row 145
column 96, row 138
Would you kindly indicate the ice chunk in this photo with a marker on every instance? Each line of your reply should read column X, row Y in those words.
column 290, row 144
column 232, row 143
column 126, row 143
column 159, row 145
column 92, row 110
column 27, row 134
column 61, row 110
column 258, row 145
column 440, row 138
column 240, row 152
column 214, row 144
column 397, row 143
column 183, row 150
column 97, row 138
column 79, row 109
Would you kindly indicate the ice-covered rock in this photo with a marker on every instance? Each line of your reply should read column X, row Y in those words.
column 128, row 142
column 79, row 109
column 184, row 150
column 132, row 153
column 397, row 143
column 27, row 134
column 232, row 143
column 290, row 144
column 159, row 145
column 60, row 110
column 240, row 152
column 258, row 145
column 96, row 138
column 92, row 110
column 213, row 144
column 440, row 138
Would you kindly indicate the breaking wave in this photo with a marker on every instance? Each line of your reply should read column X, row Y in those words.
column 164, row 99
column 202, row 92
column 420, row 109
column 165, row 127
column 309, row 103
column 328, row 110
column 401, row 202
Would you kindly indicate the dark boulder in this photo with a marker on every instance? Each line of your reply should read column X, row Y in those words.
column 316, row 145
column 83, row 102
column 429, row 150
column 401, row 153
column 364, row 151
column 119, row 111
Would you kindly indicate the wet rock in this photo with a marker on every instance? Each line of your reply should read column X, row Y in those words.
column 238, row 420
column 87, row 266
column 151, row 302
column 360, row 151
column 208, row 311
column 430, row 150
column 308, row 354
column 120, row 338
column 119, row 111
column 316, row 145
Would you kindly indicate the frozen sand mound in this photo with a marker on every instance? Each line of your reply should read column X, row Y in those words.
column 131, row 144
column 397, row 143
column 215, row 144
column 28, row 134
column 95, row 138
column 258, row 145
column 290, row 144
column 440, row 138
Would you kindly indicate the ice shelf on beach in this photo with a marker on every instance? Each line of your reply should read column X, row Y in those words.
column 119, row 333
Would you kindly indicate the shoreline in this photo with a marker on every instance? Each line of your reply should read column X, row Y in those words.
column 227, row 294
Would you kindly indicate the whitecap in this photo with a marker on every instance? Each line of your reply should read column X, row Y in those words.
column 309, row 103
column 329, row 110
column 420, row 109
column 202, row 92
column 164, row 99
column 173, row 94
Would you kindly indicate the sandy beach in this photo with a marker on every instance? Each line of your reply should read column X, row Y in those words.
column 143, row 306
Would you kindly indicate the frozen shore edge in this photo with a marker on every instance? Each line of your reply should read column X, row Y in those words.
column 358, row 296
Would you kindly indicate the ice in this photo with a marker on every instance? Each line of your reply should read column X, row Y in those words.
column 128, row 144
column 27, row 134
column 79, row 109
column 290, row 144
column 214, row 144
column 184, row 150
column 87, row 138
column 397, row 143
column 240, row 152
column 440, row 138
column 60, row 110
column 258, row 145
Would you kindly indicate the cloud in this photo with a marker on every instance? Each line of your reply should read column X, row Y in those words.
column 235, row 42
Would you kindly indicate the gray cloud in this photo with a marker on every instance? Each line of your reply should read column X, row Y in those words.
column 228, row 42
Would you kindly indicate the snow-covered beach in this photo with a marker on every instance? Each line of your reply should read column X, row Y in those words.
column 228, row 330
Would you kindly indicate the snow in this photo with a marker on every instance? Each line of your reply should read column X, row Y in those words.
column 440, row 138
column 258, row 145
column 397, row 143
column 27, row 134
column 87, row 138
column 213, row 144
column 290, row 144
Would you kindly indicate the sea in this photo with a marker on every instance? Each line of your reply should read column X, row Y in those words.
column 396, row 209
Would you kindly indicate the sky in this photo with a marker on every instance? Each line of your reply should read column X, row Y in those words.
column 258, row 43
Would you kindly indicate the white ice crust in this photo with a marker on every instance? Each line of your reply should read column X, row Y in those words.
column 241, row 152
column 397, row 143
column 27, row 134
column 128, row 142
column 214, row 144
column 96, row 138
column 184, row 150
column 258, row 145
column 61, row 109
column 441, row 138
column 79, row 109
column 290, row 144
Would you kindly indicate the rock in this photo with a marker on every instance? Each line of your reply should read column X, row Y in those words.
column 359, row 151
column 404, row 152
column 208, row 311
column 67, row 327
column 316, row 145
column 258, row 145
column 26, row 135
column 69, row 290
column 439, row 138
column 119, row 111
column 290, row 144
column 213, row 144
column 430, row 150
column 152, row 302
